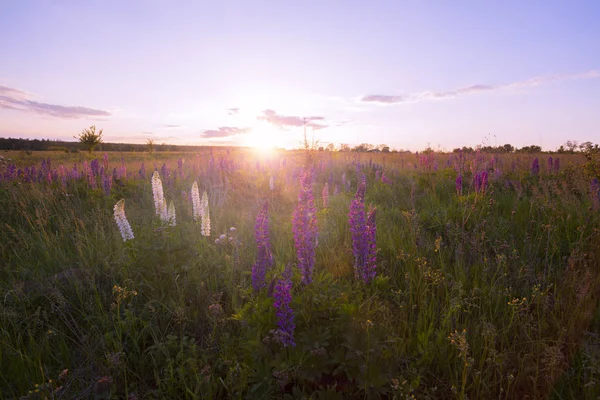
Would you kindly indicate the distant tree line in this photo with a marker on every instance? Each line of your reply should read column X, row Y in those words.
column 48, row 144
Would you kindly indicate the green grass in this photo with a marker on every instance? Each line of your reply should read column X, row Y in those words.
column 477, row 296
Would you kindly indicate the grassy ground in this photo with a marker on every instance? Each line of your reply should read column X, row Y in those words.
column 478, row 295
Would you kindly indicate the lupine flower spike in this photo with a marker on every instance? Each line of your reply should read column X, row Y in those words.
column 121, row 220
column 196, row 204
column 304, row 225
column 205, row 215
column 159, row 197
column 325, row 195
column 264, row 257
column 363, row 231
column 285, row 315
column 171, row 214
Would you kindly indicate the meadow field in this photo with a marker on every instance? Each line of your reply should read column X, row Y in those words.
column 244, row 274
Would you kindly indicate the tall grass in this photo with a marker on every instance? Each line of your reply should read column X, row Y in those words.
column 489, row 294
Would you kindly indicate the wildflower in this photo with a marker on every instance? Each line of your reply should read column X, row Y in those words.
column 535, row 167
column 106, row 183
column 285, row 315
column 458, row 183
column 550, row 165
column 325, row 195
column 171, row 214
column 159, row 197
column 264, row 257
column 205, row 215
column 363, row 231
column 480, row 181
column 121, row 220
column 304, row 223
column 595, row 190
column 196, row 204
column 271, row 183
column 142, row 172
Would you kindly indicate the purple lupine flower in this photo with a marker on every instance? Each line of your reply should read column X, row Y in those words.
column 480, row 181
column 105, row 161
column 336, row 190
column 284, row 313
column 325, row 195
column 264, row 257
column 95, row 167
column 458, row 183
column 106, row 183
column 535, row 167
column 595, row 190
column 180, row 167
column 371, row 260
column 362, row 231
column 304, row 223
column 385, row 179
column 123, row 169
column 142, row 171
column 550, row 165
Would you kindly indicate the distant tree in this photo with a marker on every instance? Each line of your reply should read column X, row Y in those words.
column 572, row 146
column 150, row 145
column 330, row 147
column 344, row 147
column 530, row 149
column 89, row 138
column 363, row 147
column 508, row 148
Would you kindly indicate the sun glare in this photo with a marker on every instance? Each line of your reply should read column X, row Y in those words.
column 265, row 138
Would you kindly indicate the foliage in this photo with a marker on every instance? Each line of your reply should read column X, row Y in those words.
column 478, row 293
column 89, row 138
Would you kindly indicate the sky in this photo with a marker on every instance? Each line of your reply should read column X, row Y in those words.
column 408, row 74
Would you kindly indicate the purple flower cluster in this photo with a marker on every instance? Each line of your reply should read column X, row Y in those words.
column 264, row 257
column 535, row 167
column 363, row 232
column 459, row 183
column 284, row 313
column 325, row 195
column 595, row 190
column 304, row 225
column 480, row 181
column 385, row 179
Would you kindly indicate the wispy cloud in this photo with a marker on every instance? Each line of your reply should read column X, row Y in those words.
column 15, row 99
column 432, row 95
column 171, row 126
column 284, row 121
column 233, row 111
column 224, row 131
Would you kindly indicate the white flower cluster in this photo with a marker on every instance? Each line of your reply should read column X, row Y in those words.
column 200, row 209
column 160, row 204
column 121, row 220
column 205, row 215
column 196, row 204
column 166, row 214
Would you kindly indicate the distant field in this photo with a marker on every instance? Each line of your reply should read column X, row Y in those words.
column 455, row 276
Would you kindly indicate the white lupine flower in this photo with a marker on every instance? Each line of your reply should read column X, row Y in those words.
column 164, row 212
column 205, row 214
column 158, row 194
column 171, row 214
column 196, row 204
column 271, row 183
column 121, row 220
